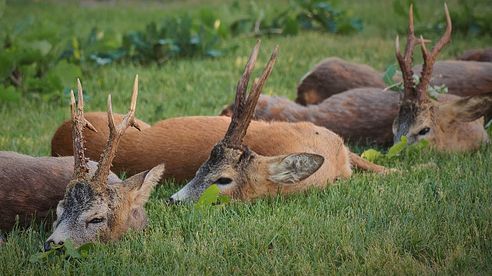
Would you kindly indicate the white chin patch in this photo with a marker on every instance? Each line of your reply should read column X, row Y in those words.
column 181, row 195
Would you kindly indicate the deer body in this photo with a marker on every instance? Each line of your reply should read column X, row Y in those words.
column 184, row 143
column 462, row 78
column 361, row 115
column 31, row 187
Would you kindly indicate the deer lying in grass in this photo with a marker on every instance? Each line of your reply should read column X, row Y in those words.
column 310, row 156
column 361, row 115
column 453, row 126
column 367, row 115
column 91, row 209
column 30, row 187
column 184, row 143
column 334, row 75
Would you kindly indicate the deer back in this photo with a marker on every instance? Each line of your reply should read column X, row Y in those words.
column 31, row 187
column 184, row 143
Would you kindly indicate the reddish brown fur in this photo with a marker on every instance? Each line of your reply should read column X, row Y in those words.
column 484, row 55
column 32, row 186
column 463, row 78
column 334, row 75
column 183, row 144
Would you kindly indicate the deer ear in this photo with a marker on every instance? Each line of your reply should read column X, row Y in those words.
column 468, row 109
column 140, row 186
column 292, row 168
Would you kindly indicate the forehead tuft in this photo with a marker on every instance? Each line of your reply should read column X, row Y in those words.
column 79, row 198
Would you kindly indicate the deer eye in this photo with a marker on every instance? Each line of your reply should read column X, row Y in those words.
column 223, row 181
column 424, row 131
column 96, row 220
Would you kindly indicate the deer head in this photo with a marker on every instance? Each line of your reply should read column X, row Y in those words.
column 91, row 209
column 238, row 171
column 445, row 126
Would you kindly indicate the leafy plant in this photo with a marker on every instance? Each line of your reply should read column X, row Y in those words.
column 211, row 196
column 62, row 252
column 29, row 64
column 467, row 20
column 398, row 149
column 391, row 71
column 300, row 14
column 177, row 37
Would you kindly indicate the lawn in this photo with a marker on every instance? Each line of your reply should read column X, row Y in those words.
column 422, row 221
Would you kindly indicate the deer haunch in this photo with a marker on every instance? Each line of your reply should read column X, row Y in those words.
column 463, row 78
column 30, row 187
column 334, row 75
column 483, row 55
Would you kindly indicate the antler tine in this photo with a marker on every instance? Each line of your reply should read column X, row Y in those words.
column 80, row 168
column 405, row 61
column 430, row 58
column 239, row 101
column 115, row 134
column 237, row 130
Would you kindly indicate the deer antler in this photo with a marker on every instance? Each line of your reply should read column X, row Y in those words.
column 420, row 93
column 244, row 108
column 430, row 58
column 115, row 134
column 80, row 168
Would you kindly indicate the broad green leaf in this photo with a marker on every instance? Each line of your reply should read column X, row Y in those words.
column 209, row 196
column 71, row 250
column 43, row 46
column 371, row 155
column 397, row 148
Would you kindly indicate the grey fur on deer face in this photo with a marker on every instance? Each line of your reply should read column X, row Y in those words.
column 87, row 214
column 83, row 215
column 415, row 122
column 225, row 167
column 242, row 174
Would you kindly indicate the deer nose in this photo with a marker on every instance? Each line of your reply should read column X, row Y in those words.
column 171, row 200
column 47, row 245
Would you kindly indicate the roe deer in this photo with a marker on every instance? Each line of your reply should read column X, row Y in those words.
column 462, row 78
column 30, row 187
column 91, row 209
column 367, row 114
column 311, row 156
column 453, row 126
column 184, row 143
column 361, row 115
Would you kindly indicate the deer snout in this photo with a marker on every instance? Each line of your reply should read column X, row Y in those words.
column 171, row 201
column 47, row 244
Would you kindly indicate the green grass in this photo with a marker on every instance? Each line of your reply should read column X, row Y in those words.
column 418, row 222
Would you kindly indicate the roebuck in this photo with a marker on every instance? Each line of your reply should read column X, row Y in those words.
column 311, row 156
column 452, row 126
column 91, row 209
column 184, row 143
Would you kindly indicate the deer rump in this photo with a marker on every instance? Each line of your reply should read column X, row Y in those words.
column 183, row 144
column 30, row 187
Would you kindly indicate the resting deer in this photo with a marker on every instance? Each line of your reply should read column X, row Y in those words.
column 184, row 143
column 367, row 114
column 361, row 115
column 30, row 187
column 453, row 126
column 333, row 76
column 91, row 209
column 310, row 156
